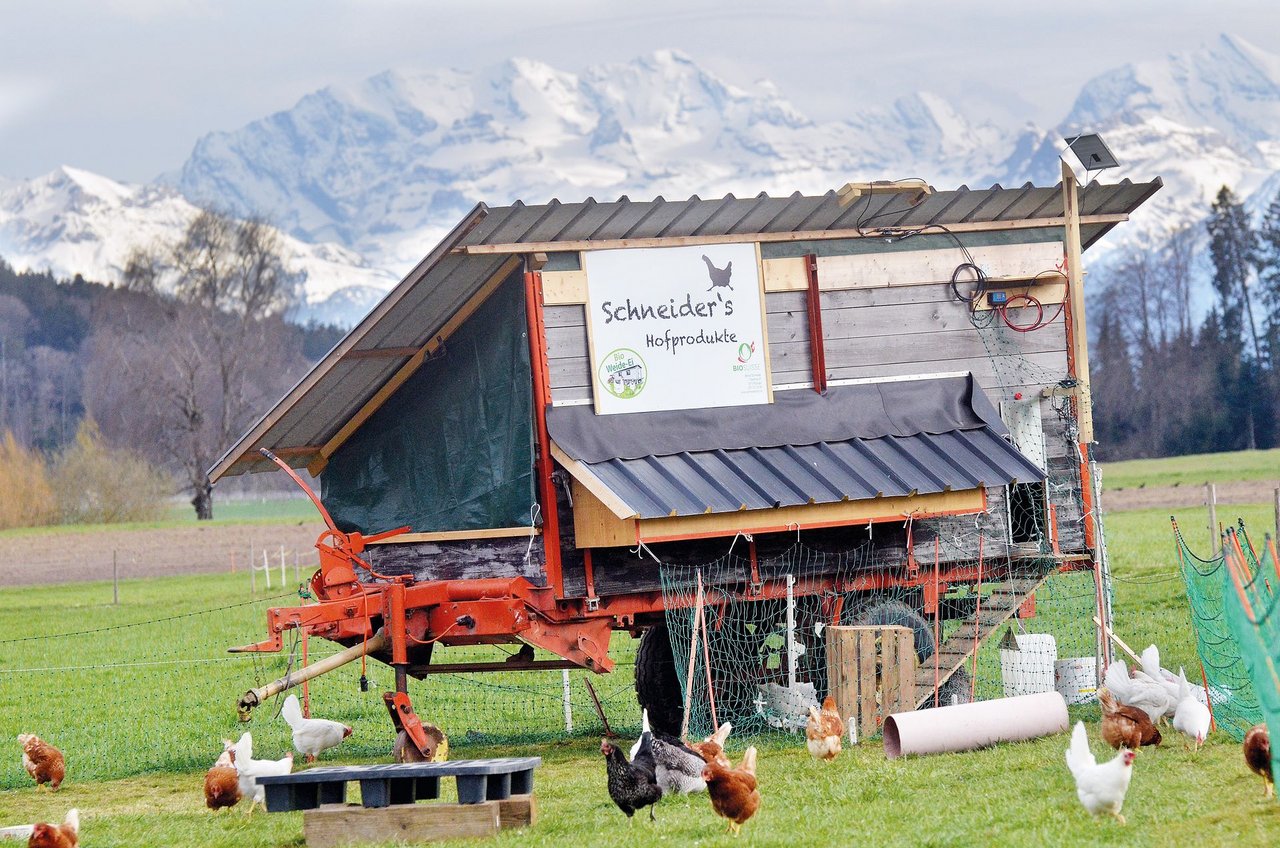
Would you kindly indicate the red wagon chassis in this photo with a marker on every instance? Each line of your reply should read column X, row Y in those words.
column 410, row 617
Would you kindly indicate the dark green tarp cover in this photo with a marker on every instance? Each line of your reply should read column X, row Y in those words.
column 452, row 449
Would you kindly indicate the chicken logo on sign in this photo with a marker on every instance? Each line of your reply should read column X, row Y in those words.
column 719, row 276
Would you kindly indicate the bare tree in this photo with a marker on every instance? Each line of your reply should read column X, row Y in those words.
column 194, row 377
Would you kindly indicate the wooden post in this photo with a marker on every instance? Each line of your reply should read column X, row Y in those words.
column 283, row 580
column 871, row 673
column 706, row 654
column 306, row 685
column 568, row 704
column 1079, row 341
column 1276, row 495
column 1211, row 498
column 115, row 580
column 693, row 655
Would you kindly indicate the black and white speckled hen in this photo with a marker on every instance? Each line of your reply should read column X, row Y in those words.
column 632, row 785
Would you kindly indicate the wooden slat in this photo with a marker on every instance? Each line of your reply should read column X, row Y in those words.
column 916, row 267
column 906, row 671
column 456, row 535
column 737, row 238
column 564, row 287
column 866, row 682
column 381, row 353
column 335, row 825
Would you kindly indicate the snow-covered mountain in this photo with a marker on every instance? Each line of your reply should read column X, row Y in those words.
column 72, row 221
column 366, row 177
column 387, row 165
column 1200, row 120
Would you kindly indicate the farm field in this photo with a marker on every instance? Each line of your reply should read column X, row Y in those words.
column 137, row 748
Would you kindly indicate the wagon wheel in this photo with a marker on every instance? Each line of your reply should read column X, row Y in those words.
column 657, row 687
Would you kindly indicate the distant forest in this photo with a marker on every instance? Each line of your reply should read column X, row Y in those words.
column 1165, row 383
column 65, row 346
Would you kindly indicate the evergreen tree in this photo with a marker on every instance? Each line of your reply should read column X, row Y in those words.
column 1267, row 262
column 1114, row 386
column 1233, row 247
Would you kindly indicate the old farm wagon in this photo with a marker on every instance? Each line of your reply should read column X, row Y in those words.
column 564, row 405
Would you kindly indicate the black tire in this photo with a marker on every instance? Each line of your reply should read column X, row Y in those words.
column 897, row 613
column 657, row 687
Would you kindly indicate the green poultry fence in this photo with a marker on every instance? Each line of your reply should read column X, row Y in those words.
column 1235, row 702
column 1251, row 594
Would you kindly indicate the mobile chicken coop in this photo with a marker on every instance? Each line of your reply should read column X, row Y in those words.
column 565, row 407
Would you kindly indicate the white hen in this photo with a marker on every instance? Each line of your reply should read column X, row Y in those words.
column 249, row 770
column 1142, row 692
column 1152, row 670
column 312, row 736
column 1100, row 787
column 1192, row 717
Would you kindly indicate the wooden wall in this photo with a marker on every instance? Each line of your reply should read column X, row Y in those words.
column 872, row 333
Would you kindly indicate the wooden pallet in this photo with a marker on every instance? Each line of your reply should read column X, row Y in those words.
column 955, row 652
column 335, row 825
column 401, row 784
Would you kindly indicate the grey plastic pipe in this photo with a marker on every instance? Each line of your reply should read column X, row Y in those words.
column 965, row 727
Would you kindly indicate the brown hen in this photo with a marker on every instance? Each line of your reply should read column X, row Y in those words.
column 1257, row 755
column 65, row 835
column 734, row 794
column 222, row 782
column 1126, row 727
column 42, row 761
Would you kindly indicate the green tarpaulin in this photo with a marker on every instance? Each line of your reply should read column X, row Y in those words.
column 452, row 449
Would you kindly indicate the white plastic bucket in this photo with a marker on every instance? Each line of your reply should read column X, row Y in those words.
column 1029, row 669
column 1076, row 679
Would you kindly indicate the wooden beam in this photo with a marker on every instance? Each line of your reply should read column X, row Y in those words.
column 302, row 450
column 406, row 371
column 850, row 192
column 803, row 235
column 381, row 353
column 811, row 515
column 1079, row 340
column 459, row 535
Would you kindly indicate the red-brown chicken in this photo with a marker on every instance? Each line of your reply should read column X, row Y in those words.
column 1126, row 727
column 65, row 835
column 824, row 730
column 42, row 761
column 1257, row 755
column 222, row 782
column 734, row 793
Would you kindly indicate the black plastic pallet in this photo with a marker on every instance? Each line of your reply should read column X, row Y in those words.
column 402, row 783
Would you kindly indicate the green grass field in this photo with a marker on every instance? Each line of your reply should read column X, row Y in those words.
column 1193, row 470
column 139, row 709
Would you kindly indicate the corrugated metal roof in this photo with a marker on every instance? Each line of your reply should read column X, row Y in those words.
column 417, row 309
column 826, row 472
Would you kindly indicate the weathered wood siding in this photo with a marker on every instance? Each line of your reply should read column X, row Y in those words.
column 461, row 559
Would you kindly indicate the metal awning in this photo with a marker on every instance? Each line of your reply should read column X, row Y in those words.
column 857, row 442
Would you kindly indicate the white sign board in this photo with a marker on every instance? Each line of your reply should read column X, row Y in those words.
column 676, row 328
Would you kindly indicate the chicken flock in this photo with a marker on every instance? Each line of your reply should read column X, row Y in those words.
column 231, row 778
column 1134, row 703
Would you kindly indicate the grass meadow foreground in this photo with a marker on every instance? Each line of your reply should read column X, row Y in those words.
column 137, row 747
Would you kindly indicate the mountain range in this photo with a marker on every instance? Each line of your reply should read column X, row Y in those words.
column 363, row 179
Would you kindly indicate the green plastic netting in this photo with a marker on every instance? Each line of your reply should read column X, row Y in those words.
column 1231, row 692
column 1252, row 606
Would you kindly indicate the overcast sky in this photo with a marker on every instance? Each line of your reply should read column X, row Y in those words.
column 125, row 87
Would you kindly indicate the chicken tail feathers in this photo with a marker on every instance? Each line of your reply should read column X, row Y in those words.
column 1117, row 680
column 291, row 711
column 749, row 760
column 72, row 821
column 1079, row 756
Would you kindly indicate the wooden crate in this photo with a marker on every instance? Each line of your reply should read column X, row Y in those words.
column 335, row 825
column 871, row 673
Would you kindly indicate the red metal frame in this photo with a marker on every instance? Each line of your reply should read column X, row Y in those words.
column 817, row 343
column 541, row 400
